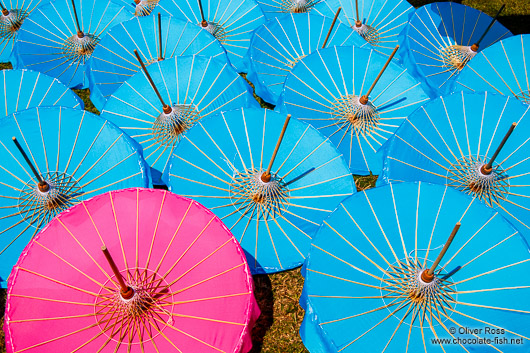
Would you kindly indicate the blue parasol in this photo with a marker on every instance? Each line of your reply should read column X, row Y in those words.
column 416, row 267
column 192, row 86
column 503, row 67
column 58, row 38
column 24, row 89
column 14, row 12
column 454, row 141
column 231, row 22
column 60, row 157
column 277, row 8
column 330, row 90
column 442, row 37
column 272, row 196
column 113, row 60
column 279, row 44
column 377, row 22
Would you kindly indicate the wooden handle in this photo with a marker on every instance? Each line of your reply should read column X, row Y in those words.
column 266, row 177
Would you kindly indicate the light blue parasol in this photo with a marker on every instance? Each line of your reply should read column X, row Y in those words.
column 503, row 68
column 272, row 190
column 53, row 158
column 188, row 88
column 416, row 267
column 113, row 60
column 58, row 38
column 458, row 141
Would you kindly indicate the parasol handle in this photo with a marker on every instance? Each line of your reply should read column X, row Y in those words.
column 428, row 275
column 358, row 22
column 167, row 109
column 204, row 23
column 487, row 168
column 43, row 185
column 331, row 28
column 125, row 291
column 5, row 12
column 266, row 177
column 80, row 33
column 364, row 99
column 160, row 57
column 475, row 46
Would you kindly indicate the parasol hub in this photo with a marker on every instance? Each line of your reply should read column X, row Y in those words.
column 457, row 56
column 266, row 177
column 426, row 277
column 486, row 169
column 173, row 122
column 11, row 21
column 128, row 293
column 43, row 186
column 80, row 46
column 215, row 29
column 167, row 109
column 368, row 33
column 356, row 112
column 252, row 193
column 363, row 100
column 474, row 47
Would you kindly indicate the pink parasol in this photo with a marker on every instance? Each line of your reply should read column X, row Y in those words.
column 171, row 278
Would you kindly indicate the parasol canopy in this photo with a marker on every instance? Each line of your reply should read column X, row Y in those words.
column 171, row 278
column 24, row 89
column 14, row 12
column 230, row 22
column 339, row 91
column 59, row 156
column 279, row 44
column 442, row 38
column 155, row 38
column 501, row 68
column 378, row 22
column 455, row 140
column 271, row 185
column 59, row 37
column 192, row 87
column 368, row 285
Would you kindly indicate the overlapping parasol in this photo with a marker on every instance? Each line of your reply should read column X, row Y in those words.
column 59, row 37
column 24, row 89
column 416, row 267
column 272, row 186
column 52, row 158
column 356, row 97
column 378, row 22
column 501, row 68
column 441, row 38
column 279, row 44
column 155, row 38
column 14, row 12
column 188, row 88
column 170, row 278
column 230, row 22
column 458, row 141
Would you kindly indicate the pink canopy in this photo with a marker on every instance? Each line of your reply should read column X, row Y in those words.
column 190, row 286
